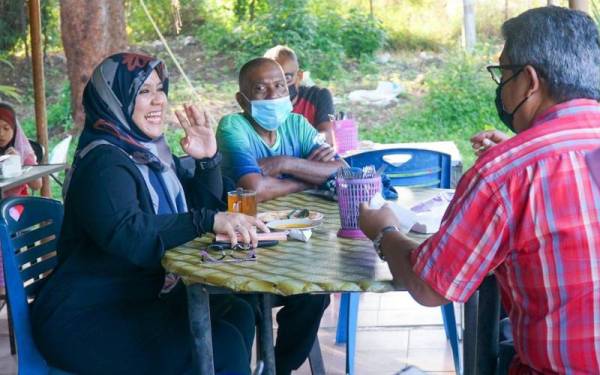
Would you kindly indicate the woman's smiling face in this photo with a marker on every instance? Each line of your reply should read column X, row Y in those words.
column 150, row 106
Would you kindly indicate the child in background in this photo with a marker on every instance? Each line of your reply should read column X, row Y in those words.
column 14, row 142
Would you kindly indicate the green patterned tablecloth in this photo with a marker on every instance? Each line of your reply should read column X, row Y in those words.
column 325, row 263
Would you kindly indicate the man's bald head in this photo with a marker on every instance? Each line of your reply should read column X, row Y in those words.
column 251, row 68
column 260, row 79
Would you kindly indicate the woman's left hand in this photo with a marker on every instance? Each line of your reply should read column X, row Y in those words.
column 199, row 141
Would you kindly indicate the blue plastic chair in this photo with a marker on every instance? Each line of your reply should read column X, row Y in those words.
column 404, row 167
column 29, row 229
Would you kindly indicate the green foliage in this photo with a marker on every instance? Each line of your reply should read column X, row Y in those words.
column 12, row 23
column 247, row 9
column 58, row 114
column 459, row 103
column 323, row 40
column 139, row 27
column 6, row 91
column 361, row 34
column 404, row 39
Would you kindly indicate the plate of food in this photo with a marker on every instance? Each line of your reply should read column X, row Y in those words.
column 296, row 213
column 293, row 224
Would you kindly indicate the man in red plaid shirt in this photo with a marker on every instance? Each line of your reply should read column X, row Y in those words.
column 528, row 210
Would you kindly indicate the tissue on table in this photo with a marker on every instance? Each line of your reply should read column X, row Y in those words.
column 424, row 217
column 430, row 213
column 10, row 166
column 300, row 235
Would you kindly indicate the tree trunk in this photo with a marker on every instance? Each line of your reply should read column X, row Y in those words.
column 469, row 24
column 583, row 5
column 90, row 31
column 552, row 2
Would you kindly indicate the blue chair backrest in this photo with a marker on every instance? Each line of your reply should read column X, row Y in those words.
column 408, row 166
column 29, row 229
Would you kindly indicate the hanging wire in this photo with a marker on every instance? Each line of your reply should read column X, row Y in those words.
column 170, row 52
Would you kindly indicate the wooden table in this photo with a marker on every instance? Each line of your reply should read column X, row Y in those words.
column 325, row 264
column 32, row 173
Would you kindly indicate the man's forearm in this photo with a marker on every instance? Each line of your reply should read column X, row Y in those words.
column 269, row 187
column 327, row 128
column 396, row 249
column 312, row 172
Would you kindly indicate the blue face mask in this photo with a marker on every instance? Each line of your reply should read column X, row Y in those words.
column 271, row 113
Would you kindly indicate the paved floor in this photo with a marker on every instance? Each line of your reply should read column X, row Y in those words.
column 394, row 332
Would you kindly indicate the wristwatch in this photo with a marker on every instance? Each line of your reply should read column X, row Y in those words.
column 209, row 163
column 379, row 238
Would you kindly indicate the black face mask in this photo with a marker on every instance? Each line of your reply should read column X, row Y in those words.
column 507, row 117
column 293, row 91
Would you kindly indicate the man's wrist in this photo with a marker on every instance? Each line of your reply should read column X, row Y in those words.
column 378, row 240
column 285, row 164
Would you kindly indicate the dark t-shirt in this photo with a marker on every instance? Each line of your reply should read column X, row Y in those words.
column 314, row 103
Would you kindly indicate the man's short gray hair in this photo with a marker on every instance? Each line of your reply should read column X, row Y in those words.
column 562, row 45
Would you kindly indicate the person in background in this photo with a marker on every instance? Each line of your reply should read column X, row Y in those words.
column 266, row 148
column 14, row 142
column 109, row 307
column 528, row 210
column 314, row 103
column 273, row 151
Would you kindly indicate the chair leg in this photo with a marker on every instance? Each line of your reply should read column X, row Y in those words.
column 315, row 359
column 341, row 335
column 351, row 330
column 470, row 335
column 11, row 332
column 451, row 334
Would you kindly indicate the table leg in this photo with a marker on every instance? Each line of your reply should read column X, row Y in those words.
column 266, row 334
column 199, row 316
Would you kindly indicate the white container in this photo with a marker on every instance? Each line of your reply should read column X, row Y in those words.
column 10, row 166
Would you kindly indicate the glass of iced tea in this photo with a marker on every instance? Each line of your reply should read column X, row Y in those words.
column 242, row 201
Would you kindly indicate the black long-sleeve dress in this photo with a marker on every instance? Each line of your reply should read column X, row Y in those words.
column 100, row 311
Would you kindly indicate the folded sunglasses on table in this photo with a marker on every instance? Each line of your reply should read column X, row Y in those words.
column 224, row 253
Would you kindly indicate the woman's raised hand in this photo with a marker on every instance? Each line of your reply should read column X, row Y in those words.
column 233, row 224
column 199, row 141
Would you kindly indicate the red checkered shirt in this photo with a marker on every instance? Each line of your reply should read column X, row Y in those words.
column 529, row 211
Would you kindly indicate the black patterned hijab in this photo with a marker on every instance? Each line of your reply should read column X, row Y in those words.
column 109, row 101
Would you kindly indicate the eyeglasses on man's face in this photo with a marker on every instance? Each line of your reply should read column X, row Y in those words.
column 496, row 71
column 289, row 77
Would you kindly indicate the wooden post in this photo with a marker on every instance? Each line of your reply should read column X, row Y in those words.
column 39, row 89
column 469, row 24
column 583, row 5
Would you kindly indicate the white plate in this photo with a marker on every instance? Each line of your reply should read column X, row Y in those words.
column 290, row 224
column 283, row 215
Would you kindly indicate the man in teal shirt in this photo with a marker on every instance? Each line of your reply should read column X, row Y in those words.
column 274, row 152
column 267, row 148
